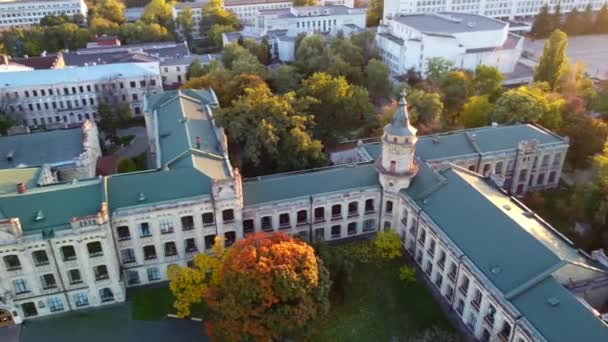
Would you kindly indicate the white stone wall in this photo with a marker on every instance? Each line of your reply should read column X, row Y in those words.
column 25, row 13
column 247, row 13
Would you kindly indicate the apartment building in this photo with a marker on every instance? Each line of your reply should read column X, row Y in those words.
column 15, row 13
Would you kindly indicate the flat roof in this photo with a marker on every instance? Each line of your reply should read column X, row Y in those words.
column 450, row 22
column 72, row 75
column 50, row 147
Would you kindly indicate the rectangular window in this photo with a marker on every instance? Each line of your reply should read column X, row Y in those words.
column 248, row 227
column 68, row 253
column 284, row 221
column 302, row 217
column 153, row 274
column 127, row 255
column 166, row 226
column 209, row 241
column 369, row 225
column 55, row 304
column 228, row 216
column 336, row 231
column 132, row 84
column 94, row 249
column 319, row 214
column 389, row 207
column 123, row 233
column 187, row 223
column 352, row 228
column 190, row 245
column 266, row 223
column 20, row 286
column 149, row 252
column 144, row 230
column 74, row 277
column 101, row 272
column 132, row 277
column 369, row 206
column 208, row 219
column 81, row 299
column 353, row 209
column 40, row 258
column 170, row 249
column 336, row 211
column 48, row 281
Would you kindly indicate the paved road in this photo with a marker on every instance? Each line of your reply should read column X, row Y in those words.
column 10, row 334
column 591, row 50
column 111, row 324
column 138, row 145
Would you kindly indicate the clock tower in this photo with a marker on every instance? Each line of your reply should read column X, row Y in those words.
column 397, row 165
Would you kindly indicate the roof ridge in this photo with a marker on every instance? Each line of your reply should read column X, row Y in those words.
column 306, row 171
column 511, row 295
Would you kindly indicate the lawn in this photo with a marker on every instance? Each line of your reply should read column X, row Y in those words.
column 377, row 306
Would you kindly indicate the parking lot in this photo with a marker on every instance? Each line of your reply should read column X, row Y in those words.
column 591, row 50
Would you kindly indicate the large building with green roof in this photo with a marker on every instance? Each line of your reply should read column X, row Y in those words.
column 502, row 269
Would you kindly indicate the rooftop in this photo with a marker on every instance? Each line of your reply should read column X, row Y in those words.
column 9, row 179
column 50, row 147
column 450, row 22
column 311, row 11
column 42, row 62
column 77, row 74
column 160, row 51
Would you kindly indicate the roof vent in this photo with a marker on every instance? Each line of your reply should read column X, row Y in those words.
column 39, row 216
column 10, row 155
column 554, row 302
column 141, row 197
column 506, row 207
column 528, row 214
column 435, row 140
column 21, row 188
column 495, row 270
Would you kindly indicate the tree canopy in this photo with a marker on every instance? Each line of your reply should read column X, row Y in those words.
column 553, row 61
column 476, row 111
column 158, row 11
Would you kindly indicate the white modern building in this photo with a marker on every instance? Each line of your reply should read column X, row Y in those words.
column 247, row 10
column 282, row 26
column 505, row 272
column 72, row 95
column 29, row 12
column 408, row 40
column 506, row 9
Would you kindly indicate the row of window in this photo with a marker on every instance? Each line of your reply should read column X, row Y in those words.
column 55, row 304
column 78, row 89
column 48, row 281
column 40, row 257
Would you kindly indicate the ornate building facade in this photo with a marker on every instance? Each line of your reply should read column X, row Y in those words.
column 502, row 269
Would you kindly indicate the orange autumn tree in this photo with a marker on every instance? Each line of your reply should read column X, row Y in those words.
column 270, row 285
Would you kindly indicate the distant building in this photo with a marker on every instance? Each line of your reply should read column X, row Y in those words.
column 196, row 7
column 247, row 10
column 67, row 153
column 173, row 58
column 54, row 61
column 15, row 13
column 505, row 9
column 72, row 95
column 282, row 26
column 7, row 64
column 409, row 40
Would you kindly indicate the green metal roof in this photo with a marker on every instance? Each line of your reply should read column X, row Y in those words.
column 35, row 149
column 473, row 141
column 566, row 320
column 311, row 182
column 144, row 188
column 9, row 178
column 53, row 206
column 483, row 231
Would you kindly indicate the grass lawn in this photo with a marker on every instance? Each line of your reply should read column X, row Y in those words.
column 154, row 303
column 378, row 306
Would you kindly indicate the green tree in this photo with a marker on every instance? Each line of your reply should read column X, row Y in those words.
column 305, row 2
column 195, row 69
column 407, row 274
column 261, row 50
column 185, row 23
column 601, row 20
column 553, row 61
column 456, row 87
column 437, row 68
column 529, row 104
column 141, row 32
column 543, row 23
column 112, row 10
column 272, row 132
column 248, row 64
column 213, row 13
column 226, row 84
column 126, row 165
column 556, row 20
column 339, row 107
column 6, row 122
column 309, row 54
column 388, row 245
column 160, row 12
column 378, row 83
column 476, row 111
column 215, row 33
column 231, row 52
column 587, row 135
column 488, row 81
column 575, row 82
column 270, row 286
column 366, row 42
column 285, row 78
column 425, row 110
column 375, row 8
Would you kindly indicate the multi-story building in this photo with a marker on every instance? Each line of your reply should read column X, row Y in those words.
column 247, row 10
column 507, row 9
column 408, row 40
column 67, row 153
column 505, row 272
column 29, row 12
column 72, row 95
column 55, row 257
column 173, row 58
column 196, row 7
column 282, row 26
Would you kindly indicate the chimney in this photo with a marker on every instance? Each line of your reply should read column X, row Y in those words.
column 198, row 143
column 21, row 188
